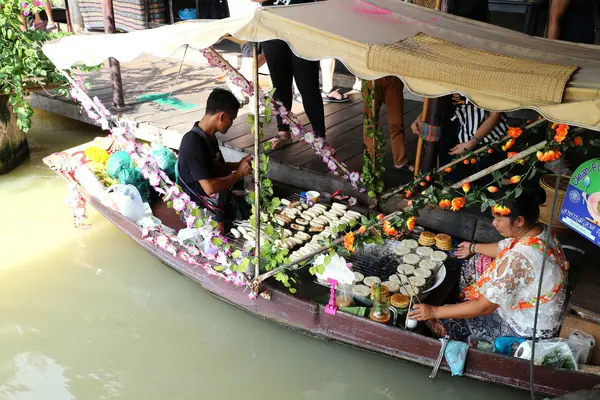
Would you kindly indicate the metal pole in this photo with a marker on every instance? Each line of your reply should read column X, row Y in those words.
column 115, row 66
column 256, row 156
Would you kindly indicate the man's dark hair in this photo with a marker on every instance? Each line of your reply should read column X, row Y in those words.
column 221, row 100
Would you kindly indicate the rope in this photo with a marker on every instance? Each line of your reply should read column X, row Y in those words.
column 539, row 291
column 174, row 84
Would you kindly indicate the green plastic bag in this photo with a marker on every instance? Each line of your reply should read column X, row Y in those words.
column 134, row 177
column 166, row 161
column 117, row 162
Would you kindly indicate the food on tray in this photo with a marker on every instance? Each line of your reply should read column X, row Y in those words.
column 427, row 239
column 399, row 300
column 370, row 280
column 285, row 202
column 438, row 256
column 297, row 227
column 409, row 243
column 406, row 269
column 407, row 290
column 424, row 273
column 358, row 277
column 339, row 206
column 361, row 291
column 401, row 250
column 392, row 286
column 424, row 251
column 417, row 282
column 301, row 221
column 443, row 241
column 411, row 259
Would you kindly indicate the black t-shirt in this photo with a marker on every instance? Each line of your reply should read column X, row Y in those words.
column 200, row 158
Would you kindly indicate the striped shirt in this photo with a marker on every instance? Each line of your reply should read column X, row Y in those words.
column 470, row 118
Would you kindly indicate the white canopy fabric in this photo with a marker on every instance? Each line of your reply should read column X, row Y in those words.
column 346, row 29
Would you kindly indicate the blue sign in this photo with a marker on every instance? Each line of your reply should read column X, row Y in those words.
column 581, row 208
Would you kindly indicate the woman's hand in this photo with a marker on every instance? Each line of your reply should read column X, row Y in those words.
column 463, row 147
column 463, row 250
column 422, row 312
column 415, row 127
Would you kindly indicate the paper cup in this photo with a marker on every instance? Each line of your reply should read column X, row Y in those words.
column 312, row 196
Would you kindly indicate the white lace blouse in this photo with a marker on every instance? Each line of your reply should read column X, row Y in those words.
column 512, row 280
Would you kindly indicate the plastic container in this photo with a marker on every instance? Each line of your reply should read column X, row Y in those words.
column 343, row 295
column 187, row 14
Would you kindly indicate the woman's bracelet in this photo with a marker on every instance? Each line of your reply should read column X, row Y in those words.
column 472, row 248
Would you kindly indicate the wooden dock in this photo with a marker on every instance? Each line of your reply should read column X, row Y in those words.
column 164, row 97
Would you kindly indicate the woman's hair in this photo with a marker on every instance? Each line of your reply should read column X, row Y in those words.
column 527, row 205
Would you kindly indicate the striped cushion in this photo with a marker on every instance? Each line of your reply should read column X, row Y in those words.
column 129, row 14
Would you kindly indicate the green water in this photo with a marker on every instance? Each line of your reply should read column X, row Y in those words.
column 87, row 314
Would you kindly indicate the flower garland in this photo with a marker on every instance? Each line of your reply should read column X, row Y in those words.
column 220, row 252
column 77, row 204
column 319, row 145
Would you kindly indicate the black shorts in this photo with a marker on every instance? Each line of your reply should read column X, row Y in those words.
column 247, row 49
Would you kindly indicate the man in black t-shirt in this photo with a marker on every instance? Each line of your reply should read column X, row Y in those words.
column 202, row 171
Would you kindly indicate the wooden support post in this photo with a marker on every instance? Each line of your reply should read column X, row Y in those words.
column 115, row 66
column 438, row 7
column 256, row 155
column 420, row 142
column 69, row 26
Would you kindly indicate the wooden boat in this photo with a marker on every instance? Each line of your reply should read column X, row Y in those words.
column 299, row 313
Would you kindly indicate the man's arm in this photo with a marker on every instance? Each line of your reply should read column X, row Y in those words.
column 557, row 11
column 233, row 166
column 216, row 185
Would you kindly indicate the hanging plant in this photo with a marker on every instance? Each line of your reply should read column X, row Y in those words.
column 373, row 161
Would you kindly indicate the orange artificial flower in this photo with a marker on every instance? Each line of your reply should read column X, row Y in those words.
column 501, row 210
column 380, row 217
column 445, row 204
column 550, row 155
column 510, row 143
column 410, row 223
column 388, row 229
column 458, row 203
column 362, row 229
column 490, row 151
column 448, row 170
column 473, row 160
column 466, row 187
column 407, row 193
column 466, row 162
column 514, row 132
column 561, row 133
column 554, row 125
column 492, row 189
column 577, row 141
column 422, row 184
column 515, row 179
column 428, row 178
column 349, row 242
column 410, row 203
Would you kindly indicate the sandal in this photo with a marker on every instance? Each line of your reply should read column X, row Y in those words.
column 328, row 98
column 279, row 142
column 404, row 166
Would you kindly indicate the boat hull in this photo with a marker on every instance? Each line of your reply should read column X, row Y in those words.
column 309, row 318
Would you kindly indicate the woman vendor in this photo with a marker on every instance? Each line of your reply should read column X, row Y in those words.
column 500, row 281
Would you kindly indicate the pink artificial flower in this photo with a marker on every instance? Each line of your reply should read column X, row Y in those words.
column 154, row 178
column 352, row 201
column 145, row 232
column 184, row 256
column 354, row 177
column 173, row 192
column 24, row 5
column 331, row 165
column 309, row 138
column 193, row 251
column 295, row 130
column 26, row 13
column 178, row 204
column 162, row 241
column 38, row 3
column 149, row 239
column 130, row 147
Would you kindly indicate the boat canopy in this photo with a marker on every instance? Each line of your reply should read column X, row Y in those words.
column 432, row 52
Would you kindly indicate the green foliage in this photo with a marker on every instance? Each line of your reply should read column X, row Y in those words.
column 372, row 171
column 22, row 62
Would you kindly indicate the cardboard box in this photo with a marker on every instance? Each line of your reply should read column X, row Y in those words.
column 571, row 323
